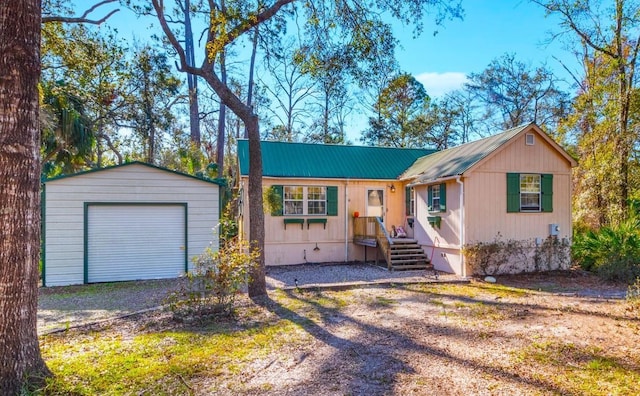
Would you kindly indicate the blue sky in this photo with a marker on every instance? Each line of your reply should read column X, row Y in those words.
column 489, row 29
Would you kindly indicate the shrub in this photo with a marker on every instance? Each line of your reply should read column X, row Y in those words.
column 215, row 281
column 512, row 256
column 611, row 252
column 633, row 296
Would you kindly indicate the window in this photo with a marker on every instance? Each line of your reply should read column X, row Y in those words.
column 293, row 200
column 410, row 201
column 529, row 192
column 302, row 200
column 436, row 199
column 316, row 201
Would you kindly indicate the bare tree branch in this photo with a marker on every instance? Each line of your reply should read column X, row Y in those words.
column 83, row 18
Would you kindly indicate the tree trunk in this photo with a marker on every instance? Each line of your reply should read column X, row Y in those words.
column 192, row 79
column 252, row 66
column 21, row 364
column 257, row 286
column 222, row 119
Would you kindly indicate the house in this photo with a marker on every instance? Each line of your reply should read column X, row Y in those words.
column 339, row 202
column 126, row 222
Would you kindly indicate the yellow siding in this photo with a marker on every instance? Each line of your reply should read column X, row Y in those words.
column 295, row 245
column 64, row 212
column 486, row 198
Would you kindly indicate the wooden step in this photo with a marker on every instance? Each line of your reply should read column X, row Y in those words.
column 407, row 251
column 402, row 241
column 409, row 257
column 408, row 246
column 408, row 261
column 411, row 267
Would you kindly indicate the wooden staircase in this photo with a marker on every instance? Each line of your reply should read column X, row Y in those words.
column 406, row 254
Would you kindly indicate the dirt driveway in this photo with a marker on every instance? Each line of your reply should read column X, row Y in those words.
column 60, row 308
column 546, row 335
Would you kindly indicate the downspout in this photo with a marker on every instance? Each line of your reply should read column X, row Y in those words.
column 346, row 221
column 463, row 269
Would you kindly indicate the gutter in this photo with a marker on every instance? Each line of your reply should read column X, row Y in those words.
column 463, row 269
column 346, row 220
column 436, row 180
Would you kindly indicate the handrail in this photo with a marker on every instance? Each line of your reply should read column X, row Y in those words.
column 384, row 241
column 372, row 228
column 380, row 226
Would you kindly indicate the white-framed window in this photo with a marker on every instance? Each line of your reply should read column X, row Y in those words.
column 316, row 200
column 530, row 193
column 304, row 200
column 412, row 202
column 293, row 200
column 435, row 198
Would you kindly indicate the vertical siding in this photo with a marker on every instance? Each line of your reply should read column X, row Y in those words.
column 64, row 208
column 294, row 245
column 442, row 244
column 486, row 208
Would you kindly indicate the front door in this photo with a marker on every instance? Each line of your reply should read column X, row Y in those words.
column 375, row 203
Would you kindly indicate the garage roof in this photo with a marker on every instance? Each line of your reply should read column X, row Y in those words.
column 219, row 182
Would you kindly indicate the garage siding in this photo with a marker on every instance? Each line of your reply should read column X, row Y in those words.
column 64, row 211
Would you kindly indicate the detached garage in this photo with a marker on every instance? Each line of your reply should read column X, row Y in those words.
column 128, row 222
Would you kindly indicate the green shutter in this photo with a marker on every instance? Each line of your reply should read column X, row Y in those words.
column 407, row 201
column 546, row 187
column 430, row 198
column 332, row 201
column 443, row 197
column 277, row 210
column 513, row 192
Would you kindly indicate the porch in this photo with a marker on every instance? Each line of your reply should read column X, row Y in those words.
column 398, row 253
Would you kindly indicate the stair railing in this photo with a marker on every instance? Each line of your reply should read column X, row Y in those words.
column 384, row 241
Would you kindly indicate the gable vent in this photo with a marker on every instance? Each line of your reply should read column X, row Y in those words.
column 530, row 139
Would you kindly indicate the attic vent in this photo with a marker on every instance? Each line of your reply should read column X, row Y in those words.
column 530, row 139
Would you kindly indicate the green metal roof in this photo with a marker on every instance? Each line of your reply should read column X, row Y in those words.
column 306, row 160
column 457, row 160
column 220, row 182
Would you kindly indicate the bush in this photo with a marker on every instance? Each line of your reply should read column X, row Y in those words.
column 633, row 296
column 611, row 252
column 215, row 281
column 513, row 256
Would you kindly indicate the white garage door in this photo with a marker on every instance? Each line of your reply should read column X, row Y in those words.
column 131, row 242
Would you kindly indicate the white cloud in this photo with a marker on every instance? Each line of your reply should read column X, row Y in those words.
column 438, row 84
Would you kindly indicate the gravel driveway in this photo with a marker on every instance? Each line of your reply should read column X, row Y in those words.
column 60, row 308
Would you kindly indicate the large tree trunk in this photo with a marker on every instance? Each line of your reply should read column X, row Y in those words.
column 192, row 79
column 20, row 360
column 257, row 286
column 222, row 119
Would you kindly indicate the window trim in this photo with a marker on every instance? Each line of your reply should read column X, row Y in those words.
column 514, row 200
column 305, row 200
column 522, row 193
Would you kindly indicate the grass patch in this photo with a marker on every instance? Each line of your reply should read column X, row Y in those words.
column 159, row 363
column 580, row 370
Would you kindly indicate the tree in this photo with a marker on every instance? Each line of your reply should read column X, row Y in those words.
column 230, row 24
column 512, row 94
column 401, row 108
column 21, row 363
column 611, row 37
column 155, row 92
column 67, row 139
column 90, row 66
column 290, row 88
